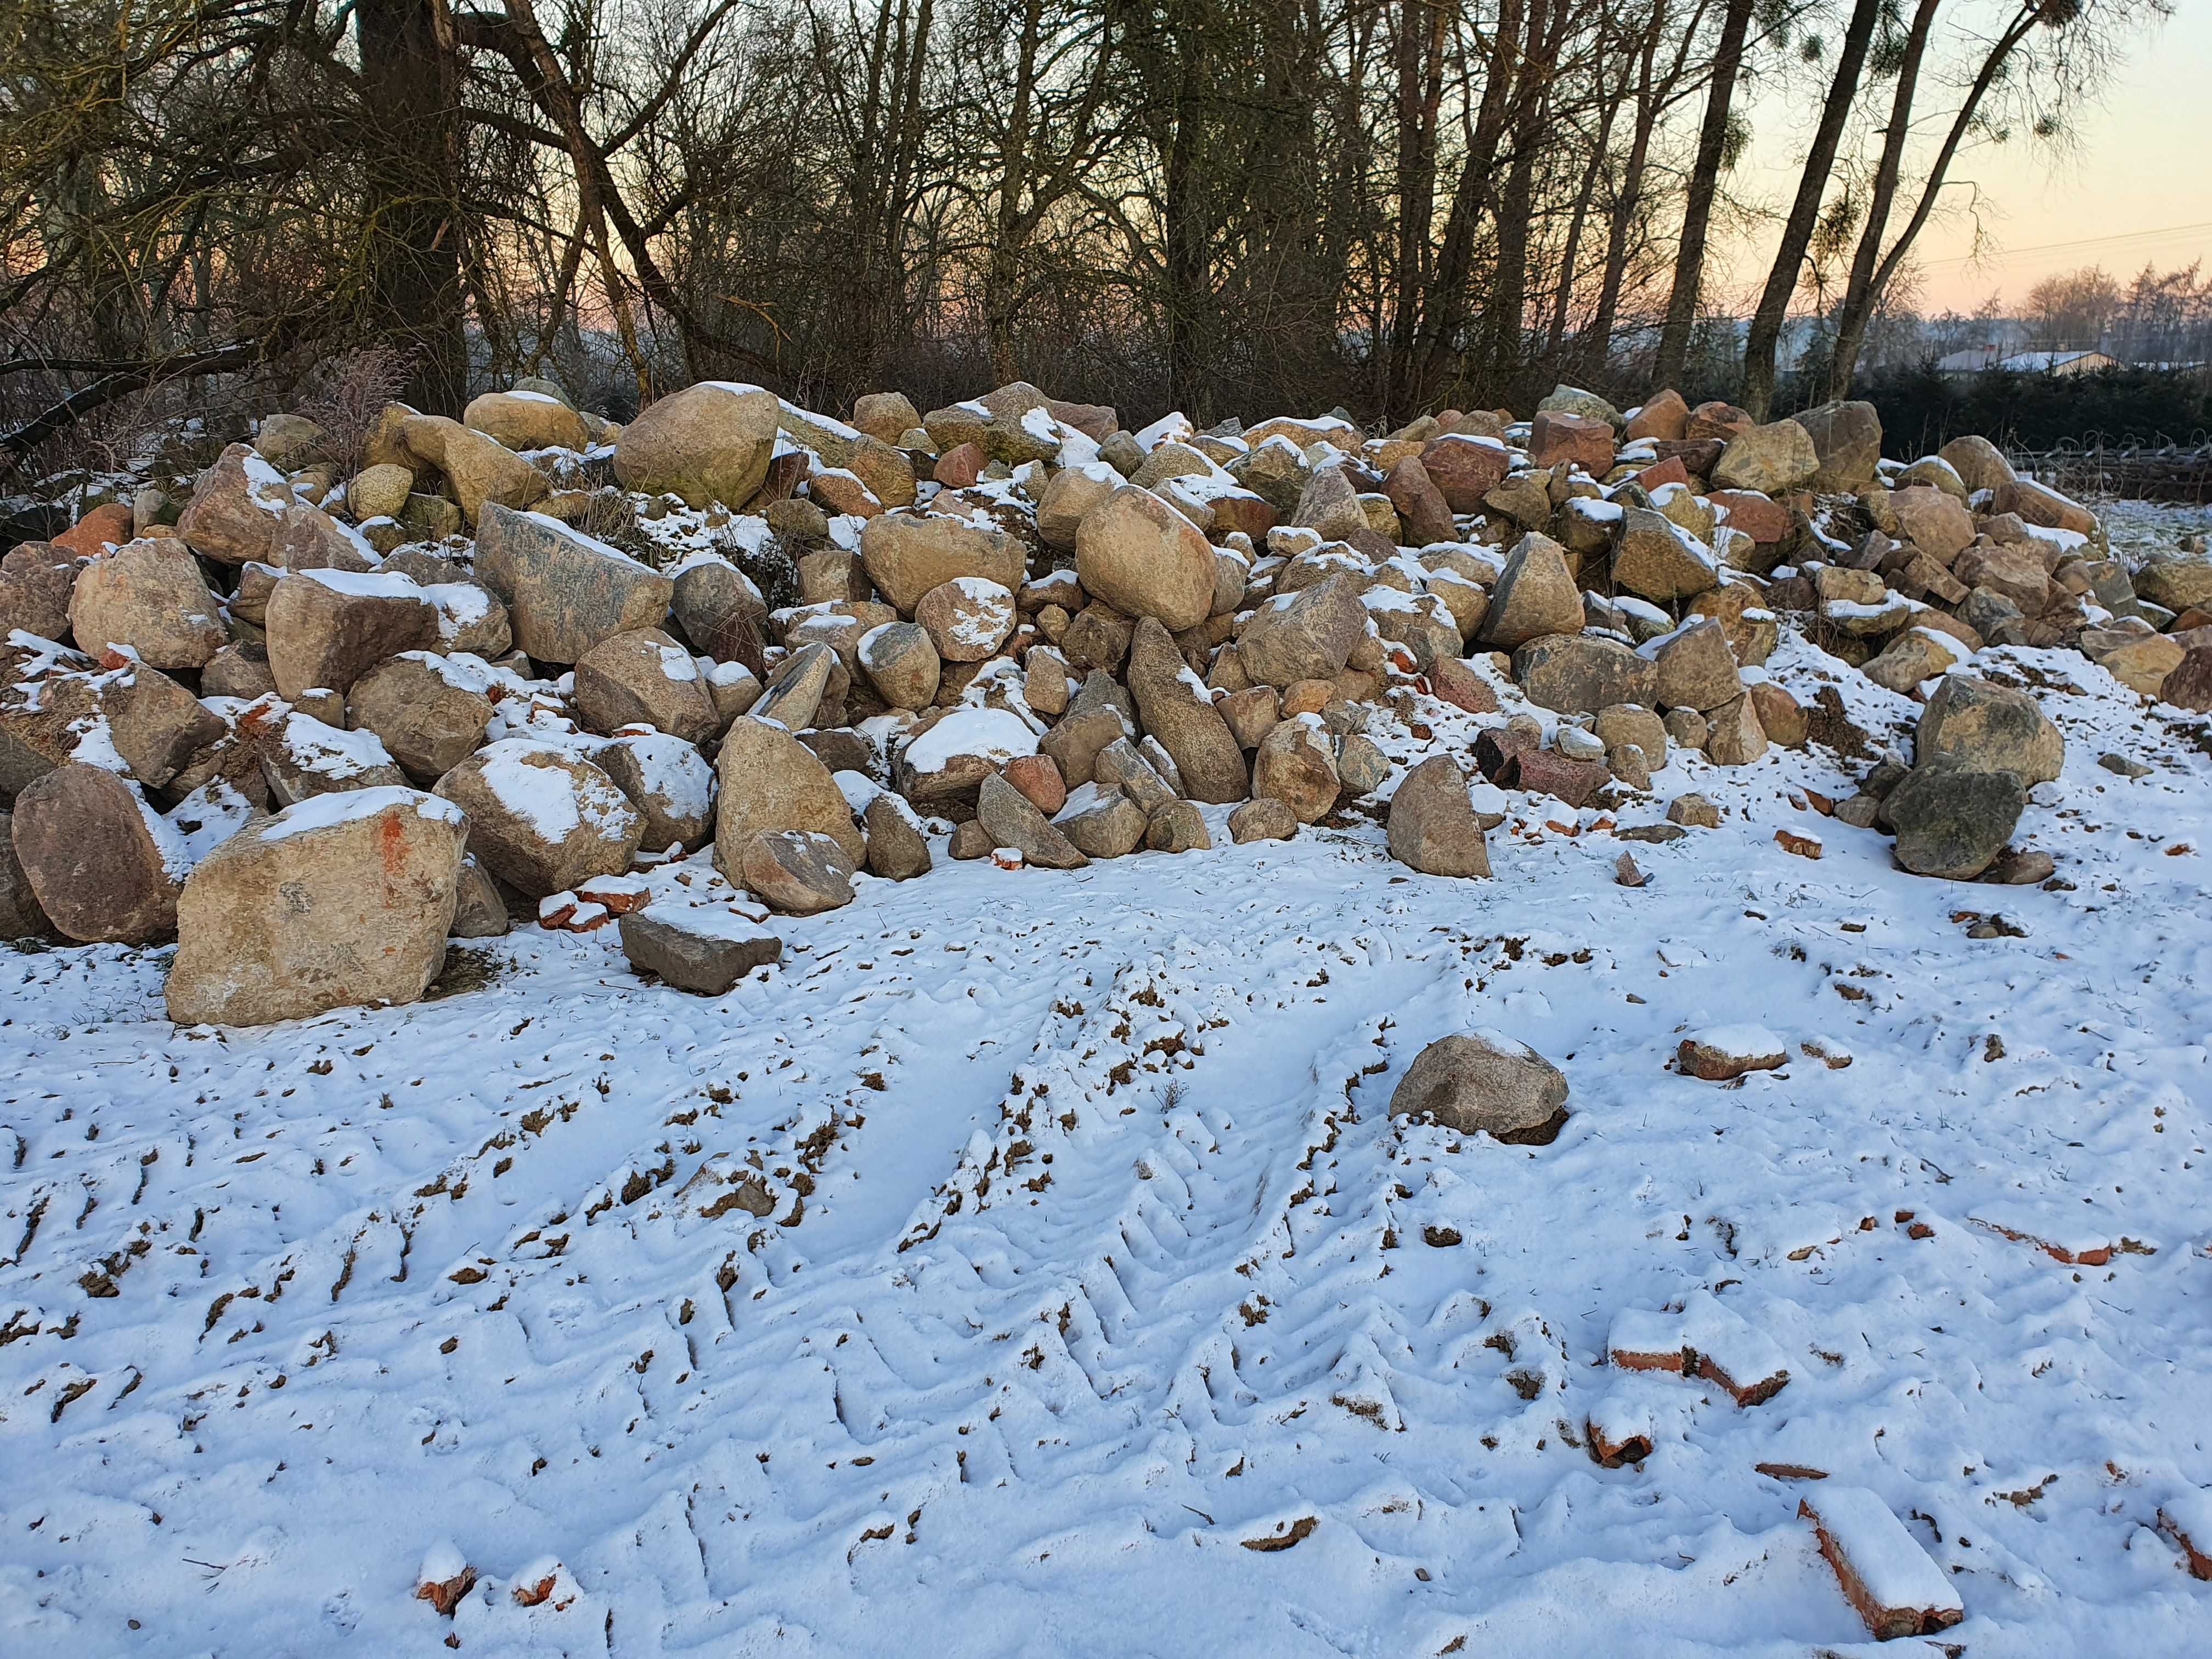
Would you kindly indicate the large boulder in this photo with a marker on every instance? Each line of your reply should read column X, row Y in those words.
column 1664, row 415
column 1774, row 460
column 1580, row 674
column 36, row 581
column 1432, row 827
column 328, row 628
column 303, row 757
column 1423, row 514
column 1484, row 1082
column 721, row 612
column 668, row 780
column 102, row 867
column 1295, row 764
column 1012, row 820
column 1464, row 468
column 793, row 694
column 1176, row 708
column 2177, row 583
column 897, row 850
column 429, row 714
column 885, row 415
column 801, row 872
column 155, row 725
column 2040, row 504
column 564, row 591
column 1534, row 595
column 526, row 420
column 1069, row 498
column 709, row 443
column 701, row 949
column 1306, row 635
column 644, row 678
column 343, row 901
column 20, row 917
column 1696, row 669
column 1847, row 438
column 1952, row 824
column 1972, row 725
column 1144, row 558
column 482, row 471
column 901, row 662
column 769, row 780
column 1103, row 823
column 308, row 539
column 1933, row 521
column 542, row 819
column 236, row 508
column 1556, row 436
column 907, row 553
column 1657, row 559
column 1979, row 464
column 967, row 619
column 151, row 597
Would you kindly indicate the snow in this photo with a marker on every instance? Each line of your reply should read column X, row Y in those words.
column 545, row 797
column 344, row 806
column 830, row 424
column 464, row 671
column 460, row 606
column 210, row 816
column 454, row 1232
column 369, row 584
column 995, row 734
column 265, row 487
column 577, row 539
column 1173, row 427
column 332, row 751
column 1896, row 1571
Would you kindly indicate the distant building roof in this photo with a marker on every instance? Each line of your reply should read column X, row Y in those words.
column 2058, row 362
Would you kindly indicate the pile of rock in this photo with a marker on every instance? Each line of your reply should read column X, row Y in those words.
column 309, row 724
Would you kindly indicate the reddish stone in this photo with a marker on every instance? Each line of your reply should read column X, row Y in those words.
column 1766, row 520
column 1498, row 748
column 1632, row 1445
column 1663, row 417
column 1459, row 685
column 1555, row 436
column 1464, row 468
column 1037, row 777
column 960, row 466
column 1700, row 455
column 2189, row 684
column 1716, row 420
column 1249, row 513
column 1541, row 771
column 91, row 535
column 1670, row 470
column 786, row 472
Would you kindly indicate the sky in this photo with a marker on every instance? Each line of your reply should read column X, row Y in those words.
column 2133, row 186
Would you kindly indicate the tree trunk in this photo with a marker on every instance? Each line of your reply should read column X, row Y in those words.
column 1850, row 334
column 1765, row 337
column 1704, row 186
column 1858, row 291
column 414, row 298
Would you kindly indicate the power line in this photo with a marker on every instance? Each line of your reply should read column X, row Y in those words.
column 2061, row 248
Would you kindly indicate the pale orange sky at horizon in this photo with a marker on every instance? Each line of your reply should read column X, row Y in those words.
column 2135, row 188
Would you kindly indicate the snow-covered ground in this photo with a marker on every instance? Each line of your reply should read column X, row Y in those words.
column 2142, row 530
column 1101, row 1309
